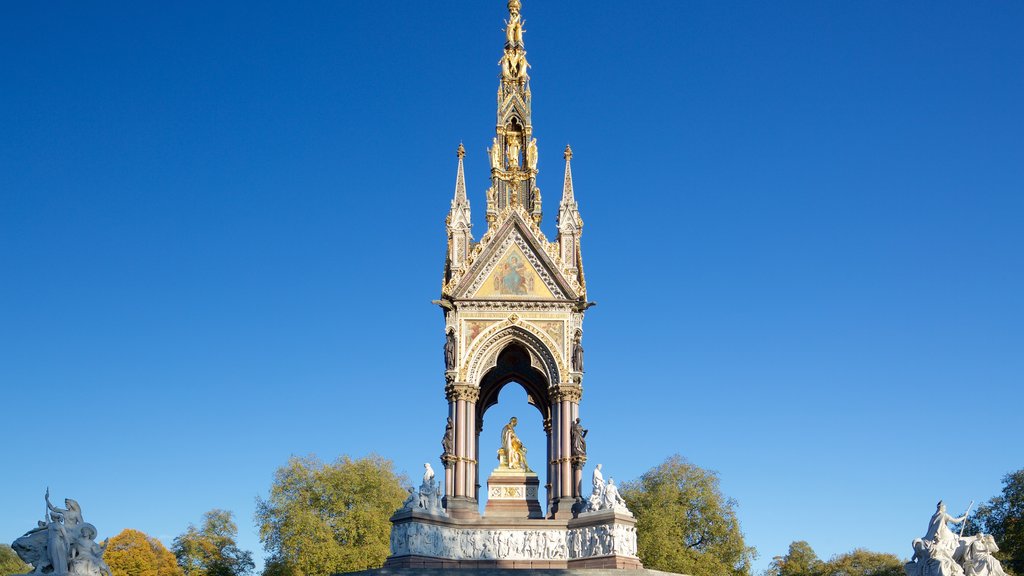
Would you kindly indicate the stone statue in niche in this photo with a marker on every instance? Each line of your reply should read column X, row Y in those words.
column 449, row 351
column 577, row 353
column 513, row 150
column 448, row 440
column 512, row 453
column 578, row 434
column 531, row 154
column 63, row 544
column 495, row 150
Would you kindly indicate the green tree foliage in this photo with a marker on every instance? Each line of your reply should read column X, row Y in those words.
column 133, row 553
column 802, row 561
column 10, row 563
column 211, row 550
column 863, row 562
column 799, row 561
column 684, row 523
column 1003, row 518
column 322, row 519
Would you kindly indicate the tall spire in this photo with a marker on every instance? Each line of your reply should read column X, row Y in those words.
column 459, row 221
column 513, row 151
column 570, row 224
column 567, row 192
column 460, row 177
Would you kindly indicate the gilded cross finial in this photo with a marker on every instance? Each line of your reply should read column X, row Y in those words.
column 514, row 6
column 568, row 152
column 461, row 152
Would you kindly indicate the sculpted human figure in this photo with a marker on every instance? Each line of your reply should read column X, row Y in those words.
column 612, row 499
column 515, row 452
column 577, row 354
column 938, row 529
column 494, row 150
column 531, row 154
column 578, row 434
column 979, row 559
column 513, row 151
column 448, row 440
column 449, row 351
column 597, row 496
column 57, row 545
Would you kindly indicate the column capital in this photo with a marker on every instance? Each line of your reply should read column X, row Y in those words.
column 570, row 392
column 461, row 391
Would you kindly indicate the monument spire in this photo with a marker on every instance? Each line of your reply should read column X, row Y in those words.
column 570, row 224
column 459, row 221
column 513, row 151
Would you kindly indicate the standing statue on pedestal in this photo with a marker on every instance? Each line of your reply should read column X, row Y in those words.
column 512, row 453
column 579, row 439
column 577, row 353
column 62, row 545
column 531, row 154
column 449, row 351
column 448, row 440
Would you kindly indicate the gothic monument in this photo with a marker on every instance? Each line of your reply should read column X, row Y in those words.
column 513, row 306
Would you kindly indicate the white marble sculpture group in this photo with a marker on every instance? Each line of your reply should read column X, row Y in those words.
column 943, row 553
column 605, row 495
column 62, row 545
column 428, row 497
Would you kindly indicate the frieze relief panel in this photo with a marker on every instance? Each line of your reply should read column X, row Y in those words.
column 436, row 541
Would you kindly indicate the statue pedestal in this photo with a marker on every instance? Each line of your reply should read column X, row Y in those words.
column 513, row 494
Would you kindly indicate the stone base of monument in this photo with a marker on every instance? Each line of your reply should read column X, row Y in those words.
column 513, row 494
column 605, row 539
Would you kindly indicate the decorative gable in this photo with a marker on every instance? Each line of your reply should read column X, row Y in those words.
column 513, row 277
column 513, row 265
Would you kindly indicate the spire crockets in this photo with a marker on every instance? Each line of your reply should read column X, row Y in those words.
column 458, row 222
column 570, row 224
column 513, row 151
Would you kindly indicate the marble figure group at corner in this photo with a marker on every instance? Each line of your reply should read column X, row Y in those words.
column 605, row 495
column 62, row 545
column 428, row 497
column 941, row 552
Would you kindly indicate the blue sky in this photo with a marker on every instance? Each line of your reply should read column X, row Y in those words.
column 221, row 227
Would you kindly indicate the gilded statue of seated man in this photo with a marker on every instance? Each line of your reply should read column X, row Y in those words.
column 512, row 453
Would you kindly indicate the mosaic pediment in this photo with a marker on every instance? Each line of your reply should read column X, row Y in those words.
column 513, row 276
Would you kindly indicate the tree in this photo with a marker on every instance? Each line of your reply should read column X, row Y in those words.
column 322, row 519
column 861, row 562
column 133, row 553
column 1003, row 518
column 799, row 561
column 211, row 550
column 684, row 523
column 10, row 563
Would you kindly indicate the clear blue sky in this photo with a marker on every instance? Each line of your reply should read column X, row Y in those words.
column 221, row 226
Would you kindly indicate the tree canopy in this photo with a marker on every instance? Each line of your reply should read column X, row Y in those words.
column 10, row 563
column 801, row 560
column 322, row 519
column 133, row 553
column 861, row 562
column 684, row 523
column 1003, row 518
column 211, row 549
